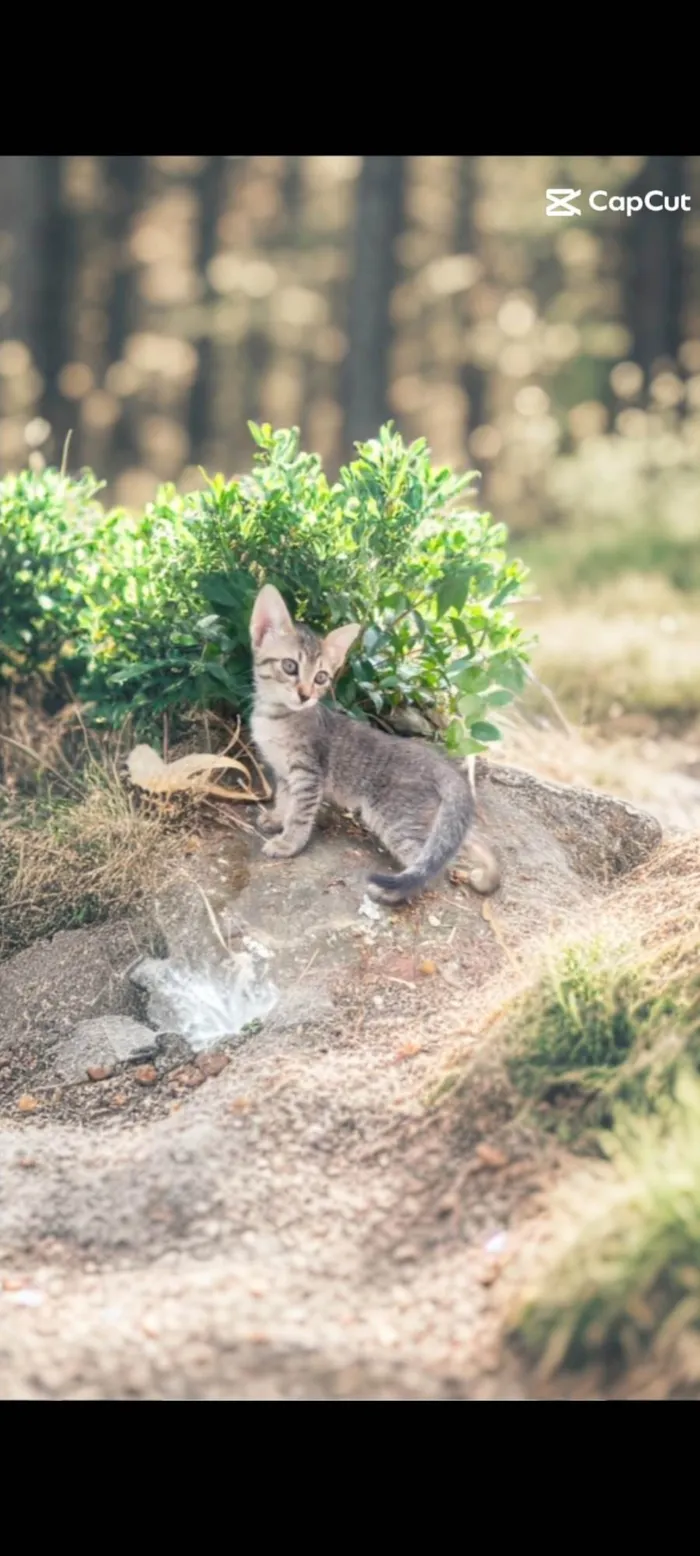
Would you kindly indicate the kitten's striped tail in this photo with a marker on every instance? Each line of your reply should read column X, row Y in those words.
column 450, row 827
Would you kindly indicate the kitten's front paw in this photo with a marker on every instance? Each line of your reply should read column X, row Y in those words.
column 276, row 849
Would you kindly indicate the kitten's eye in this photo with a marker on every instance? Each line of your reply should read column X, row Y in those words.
column 321, row 678
column 290, row 667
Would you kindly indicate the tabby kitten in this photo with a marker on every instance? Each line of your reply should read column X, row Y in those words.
column 416, row 802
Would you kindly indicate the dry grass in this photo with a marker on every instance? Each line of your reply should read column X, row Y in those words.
column 77, row 845
column 70, row 861
column 631, row 647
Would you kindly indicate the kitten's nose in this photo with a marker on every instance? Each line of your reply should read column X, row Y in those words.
column 303, row 696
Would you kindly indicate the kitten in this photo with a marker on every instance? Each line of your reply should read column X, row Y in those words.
column 415, row 801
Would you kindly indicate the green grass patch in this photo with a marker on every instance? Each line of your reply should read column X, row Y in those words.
column 629, row 1281
column 605, row 1022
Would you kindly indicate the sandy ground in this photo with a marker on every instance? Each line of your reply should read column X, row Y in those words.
column 293, row 1214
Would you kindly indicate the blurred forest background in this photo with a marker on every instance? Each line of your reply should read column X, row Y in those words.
column 154, row 304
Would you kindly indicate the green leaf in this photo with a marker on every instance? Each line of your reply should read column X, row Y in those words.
column 470, row 704
column 473, row 679
column 512, row 676
column 218, row 592
column 508, row 588
column 452, row 593
column 469, row 747
column 483, row 731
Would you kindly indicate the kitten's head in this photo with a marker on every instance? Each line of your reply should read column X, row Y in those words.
column 293, row 667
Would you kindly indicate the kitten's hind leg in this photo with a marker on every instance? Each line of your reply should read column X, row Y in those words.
column 405, row 850
column 478, row 863
column 304, row 797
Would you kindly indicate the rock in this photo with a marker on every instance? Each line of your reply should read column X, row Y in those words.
column 212, row 1064
column 603, row 836
column 76, row 975
column 100, row 1044
column 406, row 1253
column 146, row 1075
column 190, row 1076
column 408, row 721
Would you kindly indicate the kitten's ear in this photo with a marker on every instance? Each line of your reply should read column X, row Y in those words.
column 270, row 614
column 337, row 645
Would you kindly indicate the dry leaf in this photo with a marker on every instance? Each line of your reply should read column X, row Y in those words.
column 148, row 771
column 488, row 913
column 407, row 1051
column 490, row 1156
column 27, row 1104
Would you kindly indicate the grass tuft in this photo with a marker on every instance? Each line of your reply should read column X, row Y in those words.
column 629, row 1280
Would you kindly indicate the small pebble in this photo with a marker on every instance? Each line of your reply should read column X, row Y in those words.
column 406, row 1253
column 490, row 1156
column 190, row 1076
column 146, row 1075
column 212, row 1064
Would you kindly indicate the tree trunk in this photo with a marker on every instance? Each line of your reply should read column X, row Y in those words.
column 126, row 184
column 21, row 255
column 656, row 266
column 472, row 377
column 378, row 224
column 56, row 313
column 212, row 185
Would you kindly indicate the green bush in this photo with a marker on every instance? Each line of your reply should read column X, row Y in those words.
column 156, row 608
column 49, row 528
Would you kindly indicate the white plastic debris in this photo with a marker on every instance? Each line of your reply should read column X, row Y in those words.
column 370, row 909
column 497, row 1243
column 26, row 1298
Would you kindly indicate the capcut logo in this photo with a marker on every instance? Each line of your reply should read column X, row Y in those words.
column 560, row 202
